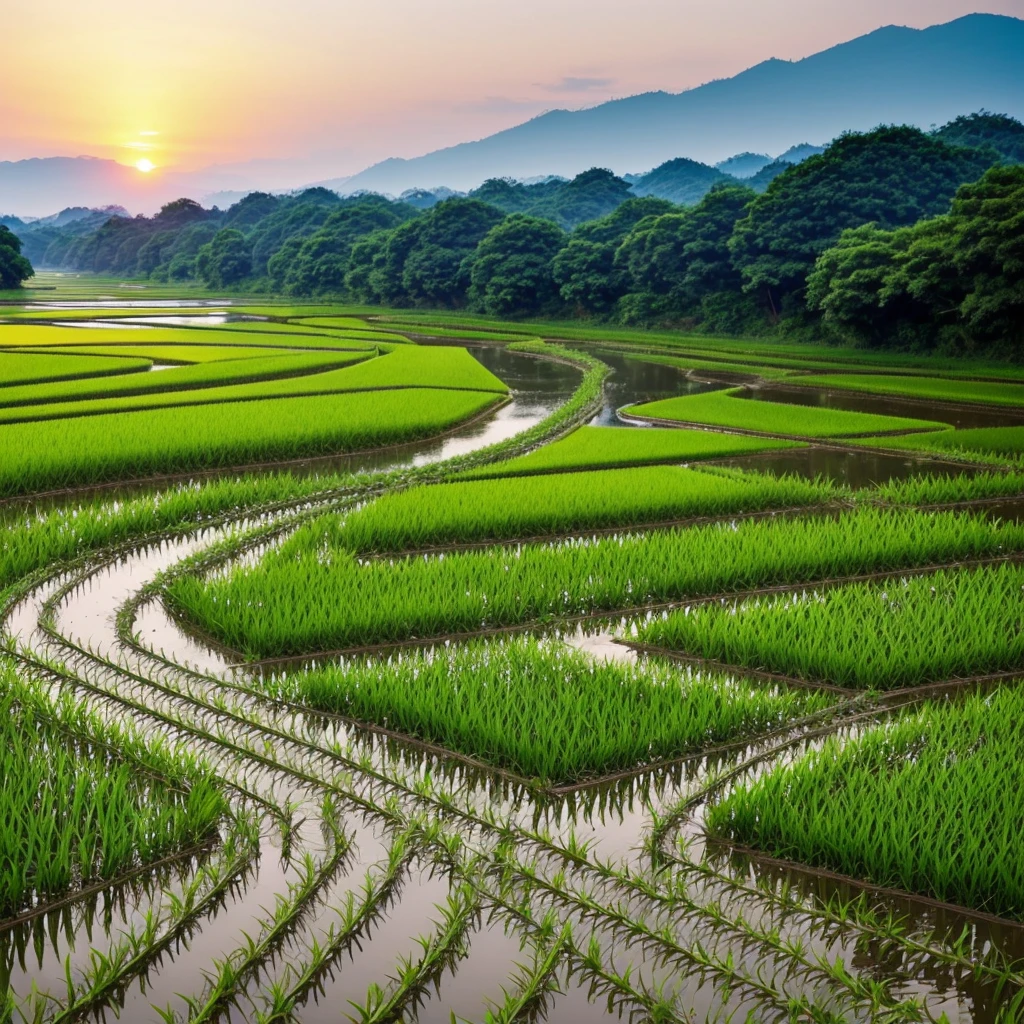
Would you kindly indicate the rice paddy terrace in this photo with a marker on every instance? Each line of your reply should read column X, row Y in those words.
column 394, row 667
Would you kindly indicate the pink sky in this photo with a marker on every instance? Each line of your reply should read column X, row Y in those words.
column 329, row 86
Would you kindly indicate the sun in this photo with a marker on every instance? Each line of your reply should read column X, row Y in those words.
column 144, row 165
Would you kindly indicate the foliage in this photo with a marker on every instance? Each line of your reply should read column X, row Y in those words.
column 14, row 268
column 930, row 803
column 313, row 595
column 882, row 636
column 225, row 259
column 511, row 269
column 890, row 177
column 956, row 280
column 565, row 502
column 543, row 710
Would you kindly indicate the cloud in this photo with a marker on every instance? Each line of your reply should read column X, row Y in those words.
column 571, row 83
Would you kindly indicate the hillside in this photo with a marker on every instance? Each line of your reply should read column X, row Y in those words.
column 893, row 75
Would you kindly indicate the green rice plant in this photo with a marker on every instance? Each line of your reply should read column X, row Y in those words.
column 310, row 594
column 543, row 710
column 938, row 388
column 722, row 409
column 175, row 353
column 21, row 369
column 983, row 441
column 179, row 381
column 119, row 446
column 81, row 802
column 930, row 803
column 613, row 447
column 939, row 489
column 505, row 509
column 884, row 636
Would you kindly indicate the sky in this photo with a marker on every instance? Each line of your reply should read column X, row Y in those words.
column 313, row 89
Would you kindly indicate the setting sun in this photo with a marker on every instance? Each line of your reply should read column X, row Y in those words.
column 144, row 165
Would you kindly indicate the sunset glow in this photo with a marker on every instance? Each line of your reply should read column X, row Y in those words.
column 335, row 86
column 144, row 165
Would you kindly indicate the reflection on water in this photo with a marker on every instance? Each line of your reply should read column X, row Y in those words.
column 886, row 405
column 853, row 468
column 632, row 382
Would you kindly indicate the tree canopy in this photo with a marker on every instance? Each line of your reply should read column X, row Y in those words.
column 14, row 268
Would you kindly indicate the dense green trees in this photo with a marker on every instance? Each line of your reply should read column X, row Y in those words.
column 859, row 242
column 14, row 268
column 224, row 260
column 955, row 281
column 891, row 177
column 423, row 261
column 511, row 270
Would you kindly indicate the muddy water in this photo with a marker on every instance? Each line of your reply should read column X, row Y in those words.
column 852, row 468
column 632, row 382
column 960, row 417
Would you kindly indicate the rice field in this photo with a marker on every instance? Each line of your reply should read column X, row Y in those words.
column 610, row 448
column 311, row 594
column 722, row 410
column 887, row 635
column 937, row 388
column 459, row 790
column 930, row 803
column 540, row 710
column 553, row 504
column 83, row 802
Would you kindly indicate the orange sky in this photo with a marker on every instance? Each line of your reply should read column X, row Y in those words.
column 334, row 85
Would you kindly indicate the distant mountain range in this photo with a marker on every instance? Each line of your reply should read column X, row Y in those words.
column 893, row 75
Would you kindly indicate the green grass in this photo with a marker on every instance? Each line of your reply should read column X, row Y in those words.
column 117, row 446
column 172, row 353
column 82, row 802
column 197, row 377
column 566, row 502
column 938, row 388
column 451, row 369
column 938, row 489
column 613, row 447
column 721, row 409
column 311, row 594
column 543, row 710
column 994, row 441
column 881, row 636
column 931, row 804
column 21, row 369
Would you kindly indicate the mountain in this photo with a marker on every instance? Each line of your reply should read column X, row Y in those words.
column 680, row 181
column 744, row 165
column 893, row 75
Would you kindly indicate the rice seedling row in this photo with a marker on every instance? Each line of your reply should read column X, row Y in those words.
column 614, row 448
column 185, row 378
column 119, row 446
column 925, row 803
column 935, row 388
column 402, row 599
column 722, row 409
column 21, row 370
column 544, row 711
column 884, row 635
column 75, row 812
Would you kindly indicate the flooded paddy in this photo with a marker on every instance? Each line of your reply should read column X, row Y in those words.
column 453, row 888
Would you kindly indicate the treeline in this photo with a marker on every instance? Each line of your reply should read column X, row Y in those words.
column 891, row 237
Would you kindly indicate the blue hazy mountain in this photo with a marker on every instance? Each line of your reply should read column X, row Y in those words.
column 893, row 75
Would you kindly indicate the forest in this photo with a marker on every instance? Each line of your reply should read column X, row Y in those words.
column 892, row 238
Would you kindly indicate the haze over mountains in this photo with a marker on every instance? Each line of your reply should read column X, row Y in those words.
column 893, row 75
